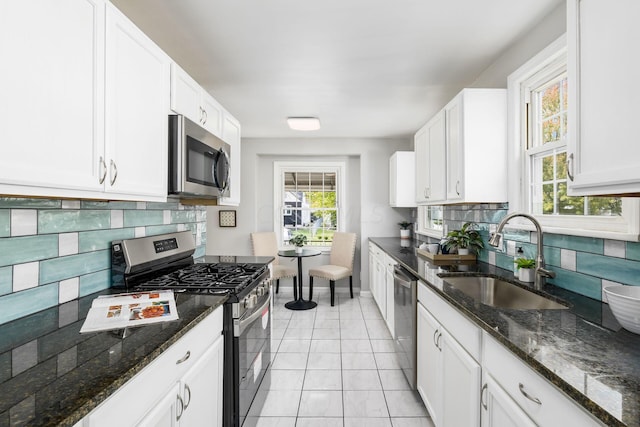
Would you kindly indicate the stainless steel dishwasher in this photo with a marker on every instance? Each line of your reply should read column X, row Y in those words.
column 405, row 299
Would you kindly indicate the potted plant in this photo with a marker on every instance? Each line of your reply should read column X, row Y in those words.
column 299, row 240
column 526, row 269
column 465, row 239
column 405, row 231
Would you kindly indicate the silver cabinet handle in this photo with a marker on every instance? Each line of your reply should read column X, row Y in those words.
column 201, row 114
column 438, row 341
column 114, row 172
column 435, row 340
column 180, row 409
column 457, row 191
column 484, row 388
column 103, row 166
column 570, row 166
column 184, row 358
column 204, row 116
column 528, row 396
column 187, row 398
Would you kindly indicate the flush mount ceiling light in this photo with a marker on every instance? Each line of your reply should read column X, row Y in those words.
column 303, row 123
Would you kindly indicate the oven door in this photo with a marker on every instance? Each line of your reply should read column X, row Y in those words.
column 253, row 332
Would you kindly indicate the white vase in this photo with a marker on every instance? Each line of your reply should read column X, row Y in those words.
column 405, row 234
column 526, row 274
column 463, row 251
column 298, row 249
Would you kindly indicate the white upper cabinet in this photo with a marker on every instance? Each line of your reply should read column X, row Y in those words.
column 402, row 179
column 231, row 135
column 476, row 141
column 137, row 101
column 461, row 153
column 86, row 102
column 191, row 100
column 430, row 152
column 603, row 69
column 52, row 113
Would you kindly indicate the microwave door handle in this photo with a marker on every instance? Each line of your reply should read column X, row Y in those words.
column 225, row 184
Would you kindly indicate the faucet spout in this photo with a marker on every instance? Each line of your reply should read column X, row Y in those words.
column 541, row 271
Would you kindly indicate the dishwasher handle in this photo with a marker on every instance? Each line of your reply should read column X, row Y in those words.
column 403, row 277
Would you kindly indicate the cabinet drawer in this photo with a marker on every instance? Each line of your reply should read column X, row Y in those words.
column 139, row 394
column 510, row 372
column 462, row 329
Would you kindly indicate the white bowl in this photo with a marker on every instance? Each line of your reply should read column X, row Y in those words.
column 624, row 302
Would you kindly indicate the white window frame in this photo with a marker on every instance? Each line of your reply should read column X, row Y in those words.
column 624, row 227
column 279, row 169
column 423, row 220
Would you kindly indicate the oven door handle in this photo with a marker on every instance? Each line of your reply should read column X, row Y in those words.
column 241, row 324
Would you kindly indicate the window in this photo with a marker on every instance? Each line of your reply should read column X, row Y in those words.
column 538, row 131
column 430, row 221
column 547, row 151
column 308, row 198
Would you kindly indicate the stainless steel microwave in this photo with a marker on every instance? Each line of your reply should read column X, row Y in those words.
column 198, row 161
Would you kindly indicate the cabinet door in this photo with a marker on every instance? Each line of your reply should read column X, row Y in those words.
column 52, row 114
column 137, row 101
column 389, row 290
column 421, row 148
column 165, row 412
column 431, row 161
column 429, row 362
column 231, row 135
column 460, row 386
column 185, row 94
column 202, row 389
column 498, row 409
column 455, row 158
column 604, row 156
column 212, row 114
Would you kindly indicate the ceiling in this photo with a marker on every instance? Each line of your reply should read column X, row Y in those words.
column 366, row 68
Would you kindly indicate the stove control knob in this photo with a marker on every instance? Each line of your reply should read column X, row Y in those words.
column 251, row 301
column 260, row 291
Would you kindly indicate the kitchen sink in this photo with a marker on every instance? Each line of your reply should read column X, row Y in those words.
column 501, row 294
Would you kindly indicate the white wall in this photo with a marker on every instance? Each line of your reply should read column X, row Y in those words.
column 368, row 211
column 520, row 51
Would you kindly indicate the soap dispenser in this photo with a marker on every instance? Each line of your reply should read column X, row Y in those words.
column 519, row 254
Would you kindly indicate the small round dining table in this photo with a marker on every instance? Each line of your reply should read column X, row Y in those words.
column 300, row 304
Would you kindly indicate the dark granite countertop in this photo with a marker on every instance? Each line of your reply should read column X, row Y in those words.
column 582, row 350
column 52, row 375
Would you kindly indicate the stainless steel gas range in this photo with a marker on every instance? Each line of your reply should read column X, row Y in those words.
column 166, row 262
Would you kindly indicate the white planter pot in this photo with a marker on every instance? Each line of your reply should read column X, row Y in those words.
column 526, row 274
column 298, row 249
column 463, row 251
column 405, row 234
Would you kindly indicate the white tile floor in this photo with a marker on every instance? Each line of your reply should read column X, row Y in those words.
column 334, row 367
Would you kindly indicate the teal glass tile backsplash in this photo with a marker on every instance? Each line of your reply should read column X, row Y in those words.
column 591, row 270
column 72, row 240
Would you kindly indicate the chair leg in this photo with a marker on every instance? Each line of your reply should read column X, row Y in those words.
column 277, row 285
column 351, row 285
column 310, row 288
column 295, row 288
column 332, row 285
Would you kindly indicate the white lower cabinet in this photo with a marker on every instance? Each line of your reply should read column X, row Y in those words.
column 499, row 409
column 537, row 397
column 182, row 387
column 389, row 265
column 448, row 377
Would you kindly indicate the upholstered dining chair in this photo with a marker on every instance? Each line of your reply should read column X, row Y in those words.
column 265, row 244
column 340, row 264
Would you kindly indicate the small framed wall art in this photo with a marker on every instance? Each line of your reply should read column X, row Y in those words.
column 227, row 218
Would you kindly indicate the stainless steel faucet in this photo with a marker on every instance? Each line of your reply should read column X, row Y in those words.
column 541, row 272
